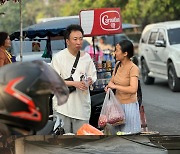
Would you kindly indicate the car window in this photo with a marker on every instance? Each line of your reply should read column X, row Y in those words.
column 161, row 35
column 28, row 46
column 152, row 38
column 174, row 36
column 144, row 37
column 57, row 44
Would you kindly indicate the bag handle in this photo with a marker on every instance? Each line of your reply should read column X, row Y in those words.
column 108, row 94
column 75, row 63
column 117, row 66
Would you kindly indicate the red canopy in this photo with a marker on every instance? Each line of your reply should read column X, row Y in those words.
column 3, row 1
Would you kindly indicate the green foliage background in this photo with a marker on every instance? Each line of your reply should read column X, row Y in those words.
column 133, row 11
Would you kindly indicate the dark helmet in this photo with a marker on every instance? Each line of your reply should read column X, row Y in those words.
column 25, row 88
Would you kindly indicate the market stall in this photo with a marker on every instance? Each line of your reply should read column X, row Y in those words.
column 100, row 22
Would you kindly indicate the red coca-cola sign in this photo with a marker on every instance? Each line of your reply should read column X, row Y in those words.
column 101, row 21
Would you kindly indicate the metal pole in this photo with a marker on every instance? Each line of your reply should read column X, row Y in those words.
column 21, row 33
column 94, row 56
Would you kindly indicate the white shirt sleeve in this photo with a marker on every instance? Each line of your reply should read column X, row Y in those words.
column 55, row 64
column 92, row 71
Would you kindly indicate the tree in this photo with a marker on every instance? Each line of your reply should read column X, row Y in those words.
column 151, row 11
column 133, row 11
column 31, row 12
column 3, row 1
column 89, row 4
column 35, row 10
column 10, row 21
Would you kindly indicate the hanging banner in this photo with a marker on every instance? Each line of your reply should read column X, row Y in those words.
column 101, row 21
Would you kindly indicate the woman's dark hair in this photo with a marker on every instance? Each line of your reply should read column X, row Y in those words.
column 3, row 37
column 71, row 28
column 127, row 46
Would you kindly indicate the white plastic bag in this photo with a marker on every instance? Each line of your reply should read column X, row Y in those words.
column 111, row 112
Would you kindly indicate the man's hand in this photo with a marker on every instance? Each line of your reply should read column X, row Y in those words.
column 90, row 82
column 80, row 85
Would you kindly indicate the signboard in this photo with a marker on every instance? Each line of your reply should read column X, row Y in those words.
column 102, row 21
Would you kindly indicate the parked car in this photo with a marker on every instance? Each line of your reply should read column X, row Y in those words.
column 159, row 52
column 31, row 52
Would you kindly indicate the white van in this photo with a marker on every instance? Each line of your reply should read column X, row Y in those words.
column 159, row 51
column 33, row 50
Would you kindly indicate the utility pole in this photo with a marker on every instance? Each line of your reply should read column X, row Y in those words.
column 21, row 32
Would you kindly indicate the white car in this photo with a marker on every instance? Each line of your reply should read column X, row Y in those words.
column 30, row 52
column 159, row 53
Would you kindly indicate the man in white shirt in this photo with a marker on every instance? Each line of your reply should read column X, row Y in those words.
column 77, row 110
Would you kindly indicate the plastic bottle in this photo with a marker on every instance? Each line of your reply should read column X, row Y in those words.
column 85, row 80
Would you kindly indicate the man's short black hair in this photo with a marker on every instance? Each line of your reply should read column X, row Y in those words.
column 71, row 28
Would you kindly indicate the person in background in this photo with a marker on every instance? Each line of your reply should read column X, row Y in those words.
column 103, row 45
column 5, row 43
column 106, row 48
column 125, row 82
column 76, row 111
column 90, row 49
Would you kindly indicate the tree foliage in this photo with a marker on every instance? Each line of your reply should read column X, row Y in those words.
column 8, row 21
column 133, row 11
column 151, row 11
column 74, row 6
column 31, row 12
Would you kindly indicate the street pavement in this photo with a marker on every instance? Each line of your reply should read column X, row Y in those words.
column 162, row 108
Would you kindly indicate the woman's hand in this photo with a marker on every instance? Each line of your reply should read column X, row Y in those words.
column 106, row 88
column 110, row 85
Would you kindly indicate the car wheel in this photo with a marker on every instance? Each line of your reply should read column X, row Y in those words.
column 144, row 71
column 173, row 80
